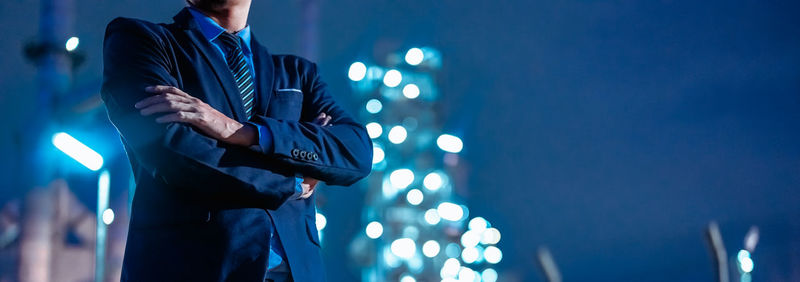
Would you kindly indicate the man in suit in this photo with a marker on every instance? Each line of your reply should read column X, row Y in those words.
column 226, row 142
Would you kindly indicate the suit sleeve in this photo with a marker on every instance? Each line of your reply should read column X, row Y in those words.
column 340, row 154
column 134, row 58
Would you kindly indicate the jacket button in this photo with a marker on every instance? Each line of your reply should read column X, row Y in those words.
column 315, row 156
column 295, row 153
column 303, row 154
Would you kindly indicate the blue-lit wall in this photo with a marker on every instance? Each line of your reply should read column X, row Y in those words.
column 611, row 131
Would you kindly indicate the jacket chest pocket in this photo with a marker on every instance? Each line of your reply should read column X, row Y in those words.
column 286, row 104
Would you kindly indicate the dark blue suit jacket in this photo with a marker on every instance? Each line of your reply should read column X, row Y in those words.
column 202, row 208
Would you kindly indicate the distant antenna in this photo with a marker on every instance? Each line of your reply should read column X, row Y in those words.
column 548, row 265
column 719, row 254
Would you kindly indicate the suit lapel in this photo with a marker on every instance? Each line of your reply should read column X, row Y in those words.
column 212, row 57
column 265, row 70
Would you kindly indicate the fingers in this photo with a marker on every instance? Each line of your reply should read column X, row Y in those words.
column 323, row 119
column 308, row 190
column 184, row 117
column 158, row 89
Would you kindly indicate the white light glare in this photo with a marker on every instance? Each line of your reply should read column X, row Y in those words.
column 404, row 248
column 449, row 143
column 374, row 130
column 108, row 216
column 357, row 71
column 466, row 274
column 414, row 56
column 469, row 255
column 414, row 197
column 377, row 154
column 491, row 236
column 401, row 178
column 321, row 221
column 392, row 78
column 432, row 216
column 397, row 134
column 374, row 106
column 78, row 151
column 478, row 224
column 450, row 211
column 450, row 268
column 72, row 43
column 471, row 238
column 374, row 229
column 433, row 181
column 430, row 248
column 408, row 278
column 411, row 91
column 745, row 262
column 492, row 254
column 489, row 275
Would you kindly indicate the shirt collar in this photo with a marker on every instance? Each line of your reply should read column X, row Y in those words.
column 211, row 29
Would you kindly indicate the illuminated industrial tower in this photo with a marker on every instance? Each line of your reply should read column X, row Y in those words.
column 414, row 226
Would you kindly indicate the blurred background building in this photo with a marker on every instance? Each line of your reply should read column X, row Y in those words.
column 587, row 140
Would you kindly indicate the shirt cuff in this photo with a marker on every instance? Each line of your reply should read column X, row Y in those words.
column 264, row 137
column 298, row 188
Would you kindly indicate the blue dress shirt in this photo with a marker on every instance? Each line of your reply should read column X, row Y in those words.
column 211, row 30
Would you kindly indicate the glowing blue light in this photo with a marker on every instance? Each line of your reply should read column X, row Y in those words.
column 452, row 250
column 408, row 278
column 397, row 134
column 469, row 255
column 78, row 151
column 489, row 275
column 374, row 130
column 466, row 274
column 432, row 216
column 492, row 254
column 72, row 44
column 357, row 71
column 449, row 143
column 491, row 236
column 433, row 181
column 392, row 78
column 377, row 154
column 374, row 230
column 430, row 248
column 414, row 197
column 450, row 268
column 414, row 56
column 404, row 248
column 478, row 224
column 411, row 91
column 374, row 106
column 745, row 262
column 321, row 221
column 450, row 211
column 401, row 178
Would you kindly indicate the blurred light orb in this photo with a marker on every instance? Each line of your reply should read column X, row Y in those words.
column 450, row 268
column 404, row 248
column 374, row 130
column 321, row 221
column 108, row 216
column 397, row 134
column 377, row 154
column 466, row 274
column 392, row 78
column 414, row 56
column 408, row 278
column 374, row 230
column 452, row 250
column 492, row 254
column 449, row 143
column 469, row 255
column 471, row 238
column 489, row 275
column 411, row 91
column 374, row 106
column 432, row 216
column 72, row 44
column 745, row 262
column 430, row 248
column 450, row 211
column 414, row 197
column 433, row 181
column 357, row 71
column 401, row 178
column 491, row 236
column 479, row 224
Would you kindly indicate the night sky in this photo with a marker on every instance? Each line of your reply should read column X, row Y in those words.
column 610, row 131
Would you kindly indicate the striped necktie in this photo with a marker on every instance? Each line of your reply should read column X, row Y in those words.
column 241, row 71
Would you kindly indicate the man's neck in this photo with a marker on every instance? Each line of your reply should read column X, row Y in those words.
column 232, row 17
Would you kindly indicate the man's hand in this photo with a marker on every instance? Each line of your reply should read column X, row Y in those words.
column 309, row 184
column 184, row 108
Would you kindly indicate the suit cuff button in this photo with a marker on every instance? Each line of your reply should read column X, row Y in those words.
column 295, row 153
column 303, row 154
column 315, row 156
